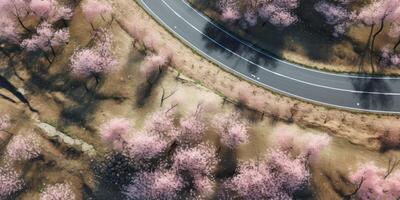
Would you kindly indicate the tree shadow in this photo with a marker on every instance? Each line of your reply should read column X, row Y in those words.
column 146, row 88
column 373, row 101
column 227, row 164
column 310, row 35
column 112, row 175
column 222, row 42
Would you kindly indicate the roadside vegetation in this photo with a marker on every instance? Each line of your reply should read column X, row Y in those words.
column 357, row 36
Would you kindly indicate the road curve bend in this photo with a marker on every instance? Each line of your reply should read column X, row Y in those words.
column 346, row 91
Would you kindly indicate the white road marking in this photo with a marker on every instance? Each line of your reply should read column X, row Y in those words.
column 273, row 72
column 283, row 61
column 260, row 83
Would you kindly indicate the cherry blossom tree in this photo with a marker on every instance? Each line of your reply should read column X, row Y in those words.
column 393, row 185
column 231, row 129
column 93, row 9
column 278, row 177
column 336, row 15
column 137, row 30
column 10, row 182
column 230, row 10
column 23, row 147
column 279, row 12
column 15, row 10
column 45, row 39
column 243, row 93
column 161, row 184
column 204, row 186
column 394, row 32
column 50, row 10
column 162, row 123
column 199, row 160
column 153, row 66
column 60, row 191
column 290, row 174
column 152, row 41
column 113, row 131
column 369, row 181
column 196, row 166
column 95, row 61
column 4, row 122
column 143, row 147
column 314, row 145
column 389, row 58
column 285, row 138
column 192, row 127
column 276, row 12
column 377, row 13
column 9, row 30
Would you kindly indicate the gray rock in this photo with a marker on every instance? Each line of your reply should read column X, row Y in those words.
column 51, row 132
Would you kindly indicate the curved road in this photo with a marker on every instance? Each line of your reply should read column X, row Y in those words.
column 347, row 91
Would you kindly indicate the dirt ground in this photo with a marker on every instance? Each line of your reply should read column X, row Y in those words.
column 63, row 103
column 309, row 42
column 360, row 128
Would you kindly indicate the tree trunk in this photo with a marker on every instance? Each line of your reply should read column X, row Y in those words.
column 53, row 51
column 47, row 58
column 22, row 24
column 91, row 25
column 97, row 79
column 396, row 45
column 364, row 51
column 373, row 44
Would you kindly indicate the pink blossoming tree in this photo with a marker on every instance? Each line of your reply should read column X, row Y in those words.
column 375, row 183
column 377, row 14
column 60, row 191
column 161, row 184
column 95, row 61
column 50, row 10
column 15, row 11
column 153, row 66
column 277, row 12
column 315, row 144
column 199, row 160
column 192, row 127
column 144, row 147
column 23, row 147
column 197, row 165
column 162, row 123
column 45, row 39
column 9, row 30
column 336, row 15
column 9, row 182
column 113, row 131
column 230, row 10
column 276, row 178
column 231, row 129
column 4, row 122
column 389, row 58
column 94, row 9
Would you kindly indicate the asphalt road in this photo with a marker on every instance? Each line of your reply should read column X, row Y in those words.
column 347, row 91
